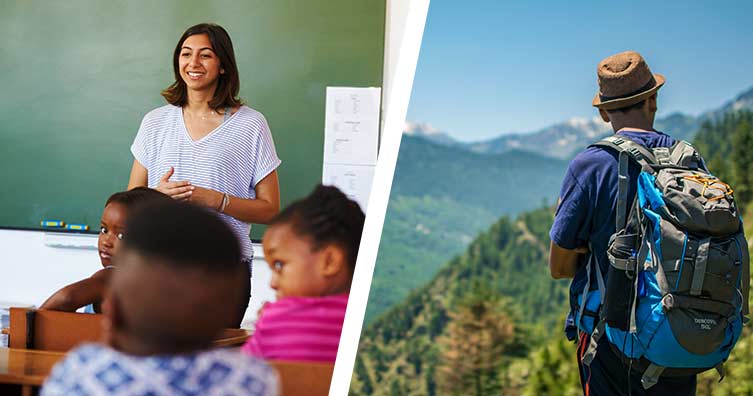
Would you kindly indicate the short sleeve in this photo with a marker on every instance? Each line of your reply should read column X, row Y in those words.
column 139, row 148
column 573, row 217
column 266, row 155
column 253, row 345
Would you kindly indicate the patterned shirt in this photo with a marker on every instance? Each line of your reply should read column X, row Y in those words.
column 231, row 159
column 95, row 369
column 300, row 329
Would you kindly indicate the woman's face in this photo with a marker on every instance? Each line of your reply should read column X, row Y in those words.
column 199, row 66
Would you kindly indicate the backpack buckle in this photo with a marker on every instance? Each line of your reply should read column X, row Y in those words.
column 635, row 153
column 662, row 155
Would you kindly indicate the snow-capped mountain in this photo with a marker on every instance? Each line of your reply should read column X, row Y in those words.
column 428, row 132
column 558, row 141
column 565, row 139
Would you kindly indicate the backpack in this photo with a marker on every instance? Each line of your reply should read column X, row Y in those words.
column 676, row 292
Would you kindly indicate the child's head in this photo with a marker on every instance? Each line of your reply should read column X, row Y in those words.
column 312, row 245
column 112, row 224
column 178, row 283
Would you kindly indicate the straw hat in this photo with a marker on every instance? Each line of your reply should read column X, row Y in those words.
column 624, row 80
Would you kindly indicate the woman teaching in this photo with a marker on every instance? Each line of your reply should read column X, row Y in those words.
column 205, row 146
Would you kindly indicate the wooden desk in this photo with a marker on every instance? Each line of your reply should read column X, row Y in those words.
column 62, row 331
column 27, row 368
column 231, row 338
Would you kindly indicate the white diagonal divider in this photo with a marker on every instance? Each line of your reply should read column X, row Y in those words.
column 395, row 109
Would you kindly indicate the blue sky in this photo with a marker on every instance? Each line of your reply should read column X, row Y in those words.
column 493, row 67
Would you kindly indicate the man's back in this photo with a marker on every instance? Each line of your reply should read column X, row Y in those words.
column 586, row 217
column 585, row 221
column 586, row 214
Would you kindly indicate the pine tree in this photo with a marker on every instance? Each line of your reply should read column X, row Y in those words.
column 395, row 389
column 472, row 351
column 742, row 162
column 431, row 383
column 719, row 142
column 554, row 370
column 362, row 374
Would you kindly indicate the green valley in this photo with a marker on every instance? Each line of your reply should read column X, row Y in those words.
column 442, row 197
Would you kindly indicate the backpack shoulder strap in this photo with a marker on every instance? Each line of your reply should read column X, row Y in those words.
column 627, row 149
column 745, row 279
column 637, row 152
column 623, row 177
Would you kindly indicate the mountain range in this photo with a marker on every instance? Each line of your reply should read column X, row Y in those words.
column 565, row 139
column 445, row 192
column 432, row 341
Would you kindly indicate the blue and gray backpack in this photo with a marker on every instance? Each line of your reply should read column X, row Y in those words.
column 676, row 292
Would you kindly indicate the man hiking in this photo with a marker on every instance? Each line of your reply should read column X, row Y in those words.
column 585, row 220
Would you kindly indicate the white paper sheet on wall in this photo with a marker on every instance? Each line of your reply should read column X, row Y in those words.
column 353, row 180
column 351, row 138
column 351, row 133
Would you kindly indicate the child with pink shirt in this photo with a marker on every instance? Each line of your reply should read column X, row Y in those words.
column 311, row 247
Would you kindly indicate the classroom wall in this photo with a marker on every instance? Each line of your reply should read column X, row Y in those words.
column 81, row 74
column 30, row 270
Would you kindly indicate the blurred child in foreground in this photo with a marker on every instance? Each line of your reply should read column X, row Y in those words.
column 179, row 266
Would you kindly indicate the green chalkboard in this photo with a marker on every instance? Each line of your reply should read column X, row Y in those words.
column 77, row 77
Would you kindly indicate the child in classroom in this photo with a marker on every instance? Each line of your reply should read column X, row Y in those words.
column 88, row 292
column 179, row 279
column 311, row 247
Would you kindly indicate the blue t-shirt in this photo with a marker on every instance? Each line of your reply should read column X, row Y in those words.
column 586, row 213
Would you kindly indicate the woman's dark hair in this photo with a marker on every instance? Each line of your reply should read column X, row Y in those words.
column 228, row 84
column 137, row 196
column 326, row 216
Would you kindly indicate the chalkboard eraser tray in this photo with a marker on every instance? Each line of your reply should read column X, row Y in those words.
column 70, row 240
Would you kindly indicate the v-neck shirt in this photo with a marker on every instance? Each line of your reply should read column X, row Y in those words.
column 231, row 159
column 225, row 117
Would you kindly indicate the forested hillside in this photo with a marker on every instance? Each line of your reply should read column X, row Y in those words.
column 483, row 309
column 490, row 321
column 442, row 197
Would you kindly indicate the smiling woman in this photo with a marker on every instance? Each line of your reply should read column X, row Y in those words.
column 205, row 146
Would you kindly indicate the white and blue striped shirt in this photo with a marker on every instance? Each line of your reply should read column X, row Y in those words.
column 231, row 159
